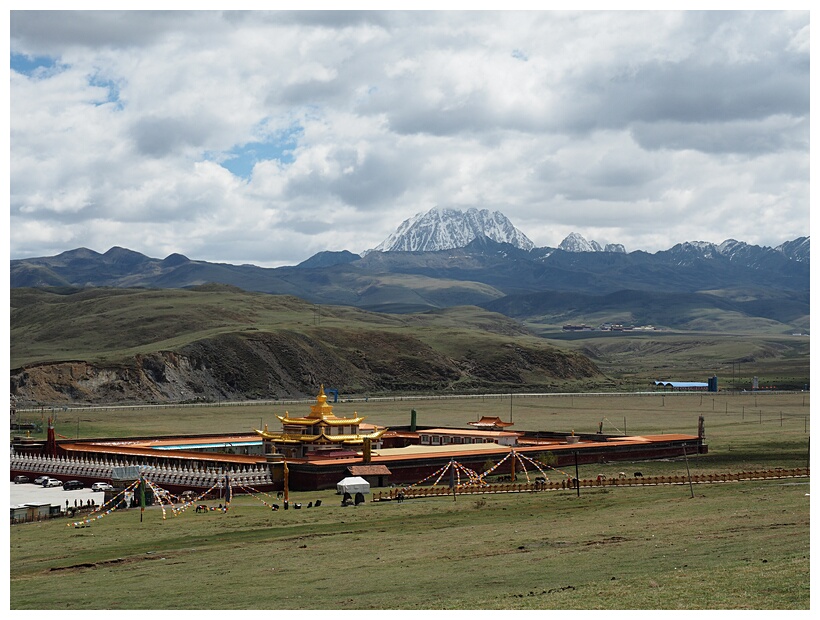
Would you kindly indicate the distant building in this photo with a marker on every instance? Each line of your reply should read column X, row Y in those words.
column 444, row 436
column 683, row 386
column 487, row 423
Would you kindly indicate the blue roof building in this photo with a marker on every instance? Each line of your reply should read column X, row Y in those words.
column 683, row 385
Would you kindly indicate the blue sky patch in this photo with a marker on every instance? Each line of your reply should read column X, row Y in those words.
column 241, row 160
column 113, row 90
column 31, row 65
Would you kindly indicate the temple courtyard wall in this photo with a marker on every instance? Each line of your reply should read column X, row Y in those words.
column 178, row 470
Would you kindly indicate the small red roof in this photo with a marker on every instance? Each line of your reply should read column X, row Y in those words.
column 486, row 421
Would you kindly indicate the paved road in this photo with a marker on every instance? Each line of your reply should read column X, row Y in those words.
column 32, row 493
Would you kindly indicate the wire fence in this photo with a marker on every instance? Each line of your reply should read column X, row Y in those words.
column 534, row 487
column 29, row 408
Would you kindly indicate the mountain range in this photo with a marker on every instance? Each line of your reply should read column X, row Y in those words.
column 446, row 258
column 463, row 299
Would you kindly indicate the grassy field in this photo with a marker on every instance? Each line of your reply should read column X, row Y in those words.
column 111, row 326
column 633, row 360
column 742, row 545
column 732, row 546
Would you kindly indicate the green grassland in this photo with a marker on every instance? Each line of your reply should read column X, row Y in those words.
column 739, row 545
column 100, row 325
column 634, row 359
column 742, row 545
column 111, row 326
column 732, row 546
column 252, row 345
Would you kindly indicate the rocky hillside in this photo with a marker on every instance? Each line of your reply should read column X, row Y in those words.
column 235, row 346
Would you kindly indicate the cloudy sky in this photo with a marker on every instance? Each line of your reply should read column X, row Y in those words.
column 254, row 137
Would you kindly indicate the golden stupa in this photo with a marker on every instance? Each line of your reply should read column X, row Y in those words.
column 319, row 431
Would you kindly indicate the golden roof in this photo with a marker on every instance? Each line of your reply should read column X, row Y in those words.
column 334, row 421
column 320, row 437
column 321, row 409
column 320, row 412
column 321, row 416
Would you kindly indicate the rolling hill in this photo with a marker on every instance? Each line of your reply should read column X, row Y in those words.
column 216, row 342
column 453, row 309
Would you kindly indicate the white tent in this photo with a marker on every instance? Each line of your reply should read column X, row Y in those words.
column 352, row 485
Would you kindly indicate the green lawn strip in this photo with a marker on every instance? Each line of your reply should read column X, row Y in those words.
column 623, row 548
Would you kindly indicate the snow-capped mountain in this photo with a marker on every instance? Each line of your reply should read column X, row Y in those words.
column 344, row 278
column 576, row 243
column 739, row 252
column 798, row 249
column 447, row 229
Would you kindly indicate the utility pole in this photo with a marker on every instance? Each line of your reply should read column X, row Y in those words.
column 142, row 494
column 577, row 479
column 285, row 472
column 688, row 474
column 453, row 478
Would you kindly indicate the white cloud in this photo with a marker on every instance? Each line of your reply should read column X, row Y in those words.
column 640, row 128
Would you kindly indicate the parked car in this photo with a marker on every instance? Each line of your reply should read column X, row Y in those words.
column 101, row 486
column 72, row 484
column 40, row 480
column 53, row 482
column 21, row 479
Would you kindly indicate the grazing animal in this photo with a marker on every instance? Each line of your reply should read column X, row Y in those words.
column 621, row 474
column 637, row 474
column 202, row 508
column 601, row 478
